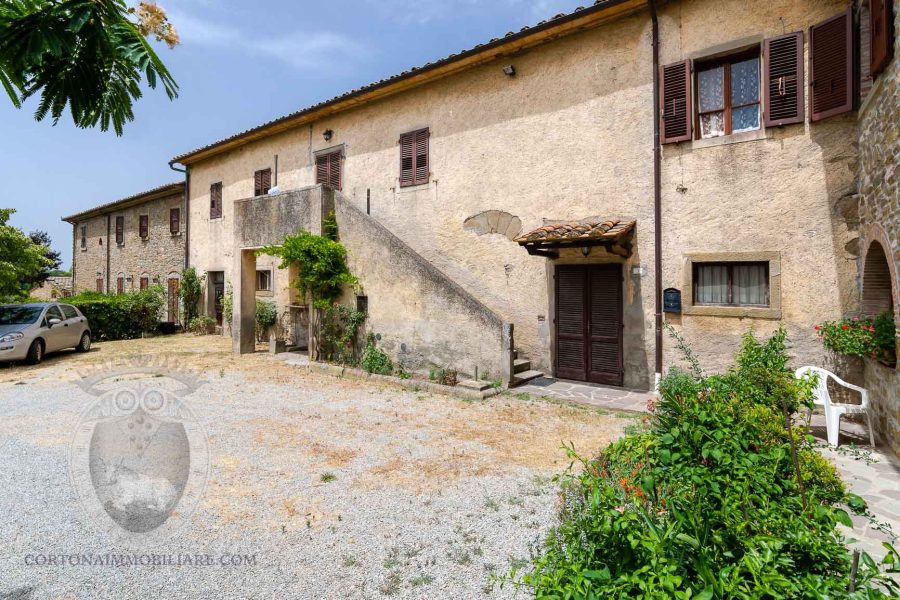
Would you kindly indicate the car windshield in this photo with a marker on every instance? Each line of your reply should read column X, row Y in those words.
column 19, row 315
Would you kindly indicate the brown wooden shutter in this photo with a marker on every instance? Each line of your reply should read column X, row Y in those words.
column 262, row 181
column 335, row 178
column 881, row 35
column 421, row 156
column 407, row 172
column 84, row 236
column 675, row 102
column 120, row 230
column 174, row 220
column 145, row 283
column 215, row 200
column 783, row 86
column 144, row 225
column 831, row 67
column 99, row 285
column 120, row 285
column 322, row 169
column 605, row 327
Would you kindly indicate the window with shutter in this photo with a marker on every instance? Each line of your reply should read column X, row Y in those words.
column 675, row 102
column 174, row 220
column 144, row 226
column 831, row 67
column 145, row 282
column 328, row 169
column 120, row 284
column 262, row 182
column 728, row 94
column 881, row 35
column 414, row 167
column 783, row 80
column 99, row 285
column 84, row 236
column 215, row 201
column 120, row 230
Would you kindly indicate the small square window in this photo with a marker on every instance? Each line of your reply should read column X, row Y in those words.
column 362, row 304
column 264, row 281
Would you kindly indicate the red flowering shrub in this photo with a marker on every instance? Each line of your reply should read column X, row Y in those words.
column 873, row 338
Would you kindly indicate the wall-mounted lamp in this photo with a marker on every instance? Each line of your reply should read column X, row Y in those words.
column 585, row 250
column 509, row 70
column 327, row 134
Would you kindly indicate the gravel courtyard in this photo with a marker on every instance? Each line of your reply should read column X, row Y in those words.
column 321, row 487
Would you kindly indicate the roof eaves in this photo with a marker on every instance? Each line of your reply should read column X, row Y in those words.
column 422, row 71
column 146, row 196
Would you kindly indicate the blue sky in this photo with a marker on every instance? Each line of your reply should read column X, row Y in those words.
column 239, row 64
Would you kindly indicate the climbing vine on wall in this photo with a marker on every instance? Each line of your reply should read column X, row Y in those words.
column 321, row 265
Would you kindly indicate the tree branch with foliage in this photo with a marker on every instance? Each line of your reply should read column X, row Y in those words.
column 88, row 55
column 190, row 291
column 21, row 259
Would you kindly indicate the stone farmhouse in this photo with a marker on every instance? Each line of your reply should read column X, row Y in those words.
column 545, row 201
column 132, row 243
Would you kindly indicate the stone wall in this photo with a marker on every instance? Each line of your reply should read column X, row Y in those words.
column 159, row 256
column 90, row 261
column 883, row 385
column 421, row 317
column 879, row 213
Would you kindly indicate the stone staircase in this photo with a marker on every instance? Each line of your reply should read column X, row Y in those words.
column 522, row 370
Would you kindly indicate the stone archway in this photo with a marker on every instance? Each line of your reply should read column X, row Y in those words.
column 879, row 274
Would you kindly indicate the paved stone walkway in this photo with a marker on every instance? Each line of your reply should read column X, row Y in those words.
column 595, row 395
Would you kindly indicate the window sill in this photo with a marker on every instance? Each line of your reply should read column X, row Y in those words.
column 176, row 234
column 216, row 219
column 145, row 239
column 748, row 312
column 84, row 249
column 735, row 138
column 413, row 188
column 267, row 293
column 120, row 244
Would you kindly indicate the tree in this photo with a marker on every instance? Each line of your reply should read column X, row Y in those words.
column 85, row 54
column 190, row 291
column 42, row 238
column 20, row 258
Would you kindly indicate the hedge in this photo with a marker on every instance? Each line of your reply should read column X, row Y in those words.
column 121, row 316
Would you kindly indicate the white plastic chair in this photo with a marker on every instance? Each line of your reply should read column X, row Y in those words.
column 833, row 410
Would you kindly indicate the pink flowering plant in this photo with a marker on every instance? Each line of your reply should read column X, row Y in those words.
column 872, row 338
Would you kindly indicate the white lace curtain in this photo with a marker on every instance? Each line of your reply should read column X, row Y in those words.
column 748, row 284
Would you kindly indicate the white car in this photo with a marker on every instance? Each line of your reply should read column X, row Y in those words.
column 30, row 331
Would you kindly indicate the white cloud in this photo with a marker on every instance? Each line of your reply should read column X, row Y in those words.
column 302, row 50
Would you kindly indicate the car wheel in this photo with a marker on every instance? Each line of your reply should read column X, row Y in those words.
column 85, row 344
column 35, row 352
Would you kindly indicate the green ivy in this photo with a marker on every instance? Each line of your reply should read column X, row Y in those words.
column 190, row 290
column 339, row 333
column 375, row 360
column 321, row 265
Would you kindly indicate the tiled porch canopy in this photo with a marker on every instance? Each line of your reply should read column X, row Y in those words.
column 612, row 234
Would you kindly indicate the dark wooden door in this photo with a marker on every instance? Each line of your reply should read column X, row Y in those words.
column 173, row 300
column 589, row 323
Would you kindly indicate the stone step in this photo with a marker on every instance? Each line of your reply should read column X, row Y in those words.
column 521, row 364
column 472, row 384
column 520, row 378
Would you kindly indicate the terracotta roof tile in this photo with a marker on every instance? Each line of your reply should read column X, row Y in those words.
column 573, row 232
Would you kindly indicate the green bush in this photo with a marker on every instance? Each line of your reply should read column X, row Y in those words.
column 190, row 289
column 202, row 325
column 339, row 333
column 374, row 359
column 706, row 503
column 121, row 316
column 443, row 376
column 266, row 316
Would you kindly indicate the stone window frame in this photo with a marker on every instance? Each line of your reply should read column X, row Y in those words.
column 773, row 311
column 271, row 290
